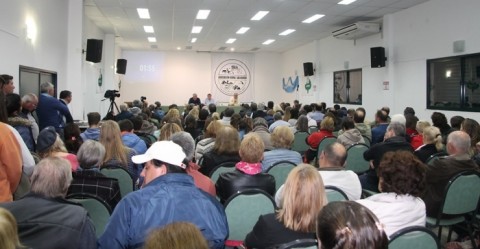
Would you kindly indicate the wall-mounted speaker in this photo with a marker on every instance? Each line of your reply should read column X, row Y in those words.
column 377, row 57
column 121, row 66
column 94, row 50
column 308, row 68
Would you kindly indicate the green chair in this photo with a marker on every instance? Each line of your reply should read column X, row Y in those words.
column 414, row 237
column 300, row 142
column 312, row 129
column 299, row 243
column 367, row 140
column 323, row 143
column 462, row 194
column 431, row 159
column 98, row 210
column 355, row 160
column 279, row 171
column 221, row 168
column 335, row 194
column 244, row 208
column 125, row 180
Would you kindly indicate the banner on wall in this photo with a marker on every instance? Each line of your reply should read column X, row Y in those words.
column 232, row 73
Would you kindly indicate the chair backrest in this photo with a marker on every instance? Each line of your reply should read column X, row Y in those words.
column 125, row 180
column 244, row 208
column 335, row 194
column 300, row 142
column 312, row 129
column 461, row 194
column 98, row 210
column 431, row 159
column 324, row 142
column 414, row 237
column 23, row 187
column 299, row 243
column 279, row 171
column 355, row 160
column 368, row 141
column 221, row 168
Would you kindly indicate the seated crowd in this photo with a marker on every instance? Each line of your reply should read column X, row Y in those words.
column 171, row 158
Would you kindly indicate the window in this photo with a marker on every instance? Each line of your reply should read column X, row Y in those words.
column 347, row 87
column 453, row 83
column 31, row 78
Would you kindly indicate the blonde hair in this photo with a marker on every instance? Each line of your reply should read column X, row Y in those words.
column 303, row 183
column 327, row 123
column 215, row 116
column 421, row 125
column 57, row 146
column 213, row 128
column 194, row 112
column 282, row 137
column 178, row 235
column 251, row 148
column 432, row 135
column 8, row 230
column 227, row 141
column 168, row 130
column 110, row 137
column 172, row 114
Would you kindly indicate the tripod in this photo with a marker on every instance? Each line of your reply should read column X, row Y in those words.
column 112, row 104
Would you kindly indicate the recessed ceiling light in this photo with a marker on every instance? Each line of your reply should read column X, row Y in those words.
column 196, row 29
column 346, row 2
column 203, row 14
column 194, row 40
column 232, row 49
column 152, row 39
column 313, row 18
column 143, row 13
column 287, row 32
column 179, row 48
column 243, row 30
column 269, row 41
column 259, row 15
column 148, row 29
column 231, row 40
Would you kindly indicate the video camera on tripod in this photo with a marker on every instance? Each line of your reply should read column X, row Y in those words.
column 111, row 94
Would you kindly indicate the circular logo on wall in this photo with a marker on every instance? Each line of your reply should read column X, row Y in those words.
column 232, row 76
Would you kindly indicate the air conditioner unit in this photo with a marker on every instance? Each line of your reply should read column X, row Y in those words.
column 357, row 30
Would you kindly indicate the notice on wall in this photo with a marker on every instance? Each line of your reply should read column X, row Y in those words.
column 386, row 85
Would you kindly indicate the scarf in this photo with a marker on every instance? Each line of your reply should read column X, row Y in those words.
column 249, row 168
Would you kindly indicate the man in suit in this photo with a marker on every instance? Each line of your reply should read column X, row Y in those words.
column 50, row 111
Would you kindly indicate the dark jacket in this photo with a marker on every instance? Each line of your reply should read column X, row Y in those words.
column 45, row 223
column 211, row 160
column 268, row 231
column 24, row 128
column 50, row 112
column 123, row 115
column 168, row 198
column 424, row 152
column 230, row 183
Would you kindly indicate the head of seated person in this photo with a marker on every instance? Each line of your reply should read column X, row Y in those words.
column 91, row 154
column 180, row 235
column 227, row 141
column 8, row 231
column 282, row 137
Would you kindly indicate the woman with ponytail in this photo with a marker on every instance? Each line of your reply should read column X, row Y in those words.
column 432, row 143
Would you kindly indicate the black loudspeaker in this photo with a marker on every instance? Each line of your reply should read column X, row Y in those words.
column 377, row 57
column 308, row 69
column 94, row 50
column 121, row 66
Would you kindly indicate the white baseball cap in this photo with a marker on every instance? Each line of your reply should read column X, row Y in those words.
column 165, row 151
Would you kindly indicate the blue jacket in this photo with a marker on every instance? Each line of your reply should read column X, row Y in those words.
column 169, row 198
column 378, row 133
column 132, row 141
column 91, row 133
column 50, row 112
column 277, row 155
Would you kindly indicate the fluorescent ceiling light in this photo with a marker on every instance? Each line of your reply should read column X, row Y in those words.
column 232, row 49
column 243, row 30
column 259, row 15
column 203, row 14
column 313, row 18
column 143, row 13
column 196, row 29
column 179, row 48
column 268, row 41
column 148, row 29
column 287, row 32
column 152, row 39
column 194, row 40
column 346, row 2
column 231, row 40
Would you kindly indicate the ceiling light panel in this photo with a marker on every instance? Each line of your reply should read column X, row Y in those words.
column 194, row 40
column 152, row 39
column 243, row 30
column 148, row 29
column 259, row 15
column 203, row 14
column 231, row 40
column 143, row 13
column 196, row 29
column 287, row 32
column 313, row 18
column 269, row 41
column 346, row 2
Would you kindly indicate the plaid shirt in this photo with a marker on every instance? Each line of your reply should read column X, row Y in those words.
column 94, row 182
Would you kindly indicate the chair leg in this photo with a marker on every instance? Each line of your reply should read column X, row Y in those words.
column 470, row 233
column 449, row 233
column 440, row 232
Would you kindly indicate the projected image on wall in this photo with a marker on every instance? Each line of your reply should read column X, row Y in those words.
column 144, row 67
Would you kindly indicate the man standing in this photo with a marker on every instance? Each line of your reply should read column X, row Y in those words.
column 66, row 97
column 29, row 104
column 209, row 100
column 194, row 100
column 50, row 110
column 7, row 83
column 168, row 195
column 443, row 169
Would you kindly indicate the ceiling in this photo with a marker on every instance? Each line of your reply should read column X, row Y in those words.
column 173, row 20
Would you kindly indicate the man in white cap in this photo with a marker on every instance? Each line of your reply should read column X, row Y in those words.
column 168, row 195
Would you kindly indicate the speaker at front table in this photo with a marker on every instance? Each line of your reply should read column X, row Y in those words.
column 377, row 57
column 121, row 66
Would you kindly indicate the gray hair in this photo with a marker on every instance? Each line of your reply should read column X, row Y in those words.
column 397, row 128
column 460, row 140
column 90, row 154
column 51, row 177
column 185, row 140
column 29, row 97
column 336, row 154
column 398, row 118
column 123, row 107
column 137, row 103
column 45, row 86
column 277, row 116
column 259, row 122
